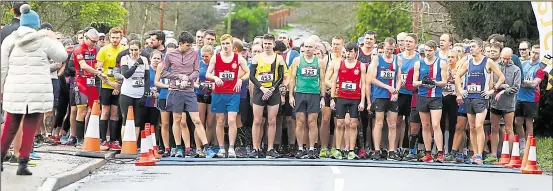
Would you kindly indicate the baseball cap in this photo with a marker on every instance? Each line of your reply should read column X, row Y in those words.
column 92, row 34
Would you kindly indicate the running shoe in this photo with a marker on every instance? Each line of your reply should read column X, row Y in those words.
column 115, row 145
column 36, row 145
column 272, row 154
column 312, row 154
column 324, row 152
column 63, row 139
column 352, row 156
column 362, row 153
column 253, row 154
column 160, row 150
column 478, row 159
column 71, row 141
column 104, row 146
column 241, row 152
column 179, row 153
column 79, row 144
column 200, row 154
column 189, row 153
column 221, row 153
column 490, row 159
column 440, row 158
column 420, row 154
column 13, row 160
column 345, row 154
column 167, row 153
column 34, row 156
column 393, row 156
column 300, row 154
column 427, row 158
column 336, row 154
column 39, row 139
column 209, row 152
column 376, row 155
column 411, row 157
column 174, row 152
column 232, row 153
column 450, row 158
column 459, row 157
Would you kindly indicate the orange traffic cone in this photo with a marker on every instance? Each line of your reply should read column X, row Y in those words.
column 532, row 165
column 145, row 158
column 91, row 145
column 149, row 143
column 505, row 156
column 130, row 147
column 526, row 150
column 515, row 155
column 154, row 141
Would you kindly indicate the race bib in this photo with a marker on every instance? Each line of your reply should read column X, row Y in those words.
column 137, row 82
column 349, row 86
column 226, row 76
column 449, row 88
column 179, row 83
column 308, row 71
column 387, row 74
column 528, row 78
column 207, row 84
column 474, row 88
column 90, row 81
column 110, row 72
column 404, row 77
column 164, row 81
column 265, row 77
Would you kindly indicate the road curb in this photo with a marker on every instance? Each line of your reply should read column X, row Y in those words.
column 61, row 180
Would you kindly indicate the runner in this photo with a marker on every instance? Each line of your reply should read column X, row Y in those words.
column 430, row 79
column 364, row 56
column 150, row 97
column 209, row 37
column 163, row 85
column 244, row 117
column 503, row 103
column 387, row 83
column 414, row 120
column 266, row 93
column 203, row 88
column 524, row 50
column 476, row 92
column 400, row 43
column 409, row 57
column 184, row 66
column 326, row 129
column 528, row 98
column 289, row 55
column 109, row 96
column 200, row 34
column 223, row 70
column 306, row 89
column 84, row 57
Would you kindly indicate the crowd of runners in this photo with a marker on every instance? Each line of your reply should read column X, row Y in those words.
column 224, row 97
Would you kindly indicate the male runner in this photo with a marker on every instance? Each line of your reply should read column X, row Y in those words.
column 86, row 93
column 524, row 50
column 223, row 70
column 199, row 40
column 267, row 73
column 476, row 92
column 289, row 55
column 109, row 94
column 350, row 76
column 503, row 102
column 528, row 98
column 384, row 75
column 409, row 57
column 365, row 56
column 333, row 58
column 430, row 76
column 184, row 66
column 400, row 43
column 209, row 37
column 307, row 92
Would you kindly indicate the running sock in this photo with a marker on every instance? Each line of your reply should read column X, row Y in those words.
column 80, row 130
column 231, row 147
column 114, row 130
column 179, row 146
column 222, row 147
column 103, row 129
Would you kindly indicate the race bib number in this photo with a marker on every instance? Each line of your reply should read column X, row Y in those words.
column 110, row 72
column 137, row 82
column 404, row 77
column 449, row 88
column 226, row 76
column 528, row 79
column 265, row 77
column 208, row 85
column 474, row 88
column 349, row 86
column 308, row 71
column 387, row 74
column 90, row 81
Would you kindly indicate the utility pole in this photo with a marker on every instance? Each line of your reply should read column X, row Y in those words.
column 268, row 14
column 161, row 15
column 229, row 19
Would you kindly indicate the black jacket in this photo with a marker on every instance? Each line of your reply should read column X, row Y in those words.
column 7, row 30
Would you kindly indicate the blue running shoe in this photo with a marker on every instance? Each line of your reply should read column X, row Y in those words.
column 180, row 153
column 34, row 156
column 209, row 152
column 64, row 139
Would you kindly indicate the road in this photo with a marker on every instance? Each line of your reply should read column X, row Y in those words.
column 305, row 178
column 298, row 33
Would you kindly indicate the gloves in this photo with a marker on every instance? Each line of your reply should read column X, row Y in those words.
column 139, row 61
column 512, row 91
column 427, row 81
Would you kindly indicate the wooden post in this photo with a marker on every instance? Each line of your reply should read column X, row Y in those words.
column 161, row 15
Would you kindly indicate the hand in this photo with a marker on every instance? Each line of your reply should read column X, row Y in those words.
column 464, row 93
column 183, row 77
column 499, row 95
column 391, row 89
column 487, row 94
column 332, row 104
column 394, row 97
column 403, row 83
column 238, row 85
column 369, row 107
column 140, row 61
column 459, row 100
column 218, row 81
column 115, row 92
column 292, row 101
column 267, row 93
column 512, row 90
column 361, row 106
column 503, row 86
column 322, row 103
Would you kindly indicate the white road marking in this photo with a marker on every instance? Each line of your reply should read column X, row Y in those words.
column 335, row 170
column 339, row 184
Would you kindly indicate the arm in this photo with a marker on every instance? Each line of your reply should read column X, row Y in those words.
column 6, row 49
column 82, row 64
column 55, row 51
column 253, row 69
column 293, row 70
column 62, row 69
column 363, row 79
column 125, row 69
column 55, row 67
column 516, row 85
column 368, row 85
column 209, row 73
column 146, row 79
column 399, row 79
column 444, row 68
column 165, row 73
column 416, row 74
column 100, row 58
column 495, row 69
column 244, row 67
column 157, row 79
column 333, row 79
column 330, row 73
column 540, row 75
column 460, row 72
column 196, row 71
column 322, row 84
column 281, row 75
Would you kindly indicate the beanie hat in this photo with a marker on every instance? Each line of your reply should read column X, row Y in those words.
column 29, row 18
column 47, row 26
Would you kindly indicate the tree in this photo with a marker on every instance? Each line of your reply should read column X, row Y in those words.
column 381, row 18
column 247, row 22
column 315, row 15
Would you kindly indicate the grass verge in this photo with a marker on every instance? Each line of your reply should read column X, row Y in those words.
column 545, row 153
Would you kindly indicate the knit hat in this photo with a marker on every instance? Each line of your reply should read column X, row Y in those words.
column 47, row 26
column 29, row 18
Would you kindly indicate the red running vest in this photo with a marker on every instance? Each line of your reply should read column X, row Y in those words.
column 228, row 73
column 349, row 81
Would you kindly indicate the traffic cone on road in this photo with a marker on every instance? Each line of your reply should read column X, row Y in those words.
column 145, row 157
column 526, row 150
column 505, row 156
column 91, row 145
column 532, row 165
column 515, row 155
column 149, row 143
column 130, row 147
column 154, row 142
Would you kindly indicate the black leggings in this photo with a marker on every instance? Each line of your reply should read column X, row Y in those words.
column 449, row 112
column 63, row 107
column 139, row 110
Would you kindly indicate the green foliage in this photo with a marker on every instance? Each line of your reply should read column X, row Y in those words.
column 111, row 12
column 248, row 22
column 381, row 18
column 544, row 147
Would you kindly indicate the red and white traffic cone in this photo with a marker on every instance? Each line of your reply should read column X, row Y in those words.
column 515, row 155
column 505, row 156
column 532, row 165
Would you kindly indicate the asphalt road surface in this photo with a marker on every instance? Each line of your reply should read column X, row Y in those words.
column 302, row 178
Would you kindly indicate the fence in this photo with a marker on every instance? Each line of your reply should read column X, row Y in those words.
column 281, row 18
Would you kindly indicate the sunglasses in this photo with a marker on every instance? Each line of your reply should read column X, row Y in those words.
column 93, row 41
column 134, row 49
column 522, row 49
